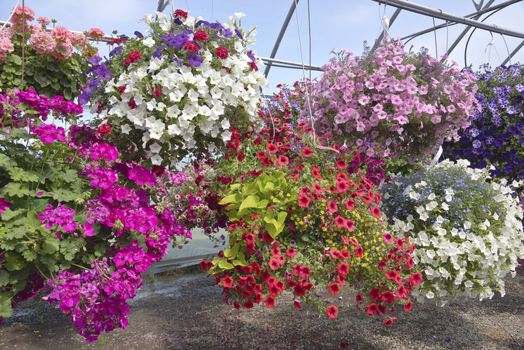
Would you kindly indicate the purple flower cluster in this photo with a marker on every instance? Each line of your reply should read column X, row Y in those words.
column 496, row 135
column 49, row 133
column 35, row 105
column 61, row 217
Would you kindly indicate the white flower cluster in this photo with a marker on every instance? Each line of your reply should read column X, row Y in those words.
column 198, row 103
column 466, row 226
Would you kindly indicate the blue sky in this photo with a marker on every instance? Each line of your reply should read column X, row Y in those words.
column 335, row 24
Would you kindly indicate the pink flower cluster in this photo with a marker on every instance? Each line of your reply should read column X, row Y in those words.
column 392, row 103
column 59, row 42
column 96, row 298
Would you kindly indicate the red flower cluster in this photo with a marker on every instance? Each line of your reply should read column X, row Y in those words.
column 221, row 52
column 134, row 56
column 200, row 35
column 181, row 13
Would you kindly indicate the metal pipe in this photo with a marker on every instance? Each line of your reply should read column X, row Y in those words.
column 269, row 61
column 465, row 31
column 513, row 53
column 381, row 36
column 455, row 19
column 281, row 34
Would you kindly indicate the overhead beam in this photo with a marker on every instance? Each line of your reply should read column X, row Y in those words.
column 471, row 15
column 513, row 53
column 428, row 11
column 281, row 33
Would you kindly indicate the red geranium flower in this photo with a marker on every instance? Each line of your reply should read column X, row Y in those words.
column 304, row 201
column 104, row 129
column 132, row 103
column 191, row 46
column 133, row 57
column 181, row 13
column 332, row 207
column 306, row 152
column 122, row 88
column 221, row 52
column 334, row 288
column 376, row 212
column 340, row 221
column 227, row 282
column 200, row 35
column 332, row 311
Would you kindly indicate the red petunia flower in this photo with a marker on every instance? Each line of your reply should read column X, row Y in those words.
column 191, row 46
column 283, row 160
column 389, row 321
column 315, row 171
column 349, row 204
column 393, row 275
column 332, row 207
column 297, row 304
column 343, row 268
column 342, row 186
column 334, row 288
column 388, row 297
column 307, row 152
column 122, row 88
column 341, row 164
column 104, row 129
column 374, row 294
column 291, row 252
column 376, row 212
column 271, row 148
column 200, row 35
column 270, row 302
column 388, row 238
column 372, row 309
column 345, row 253
column 400, row 243
column 408, row 307
column 416, row 278
column 382, row 265
column 181, row 13
column 350, row 225
column 274, row 264
column 227, row 282
column 332, row 311
column 221, row 52
column 359, row 298
column 305, row 271
column 304, row 201
column 340, row 221
column 317, row 187
column 358, row 251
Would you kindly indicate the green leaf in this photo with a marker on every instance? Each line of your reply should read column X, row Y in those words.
column 4, row 278
column 225, row 265
column 250, row 201
column 19, row 174
column 15, row 59
column 5, row 305
column 8, row 214
column 232, row 198
column 51, row 246
column 275, row 226
column 13, row 261
column 15, row 189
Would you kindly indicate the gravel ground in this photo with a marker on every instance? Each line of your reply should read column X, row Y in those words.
column 186, row 312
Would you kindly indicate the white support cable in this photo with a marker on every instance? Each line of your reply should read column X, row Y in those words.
column 10, row 16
